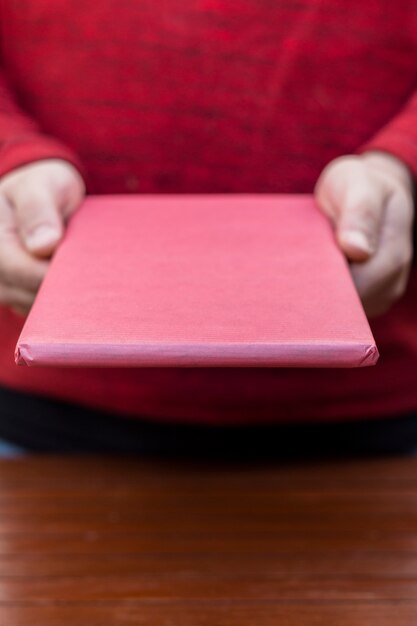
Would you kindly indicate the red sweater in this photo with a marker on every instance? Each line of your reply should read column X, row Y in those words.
column 213, row 96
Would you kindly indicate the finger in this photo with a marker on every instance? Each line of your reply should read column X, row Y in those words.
column 383, row 279
column 17, row 267
column 361, row 214
column 17, row 299
column 39, row 222
column 355, row 203
column 382, row 296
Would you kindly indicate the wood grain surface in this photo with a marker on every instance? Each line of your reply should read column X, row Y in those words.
column 106, row 541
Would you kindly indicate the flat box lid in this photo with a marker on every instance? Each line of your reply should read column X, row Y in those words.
column 198, row 281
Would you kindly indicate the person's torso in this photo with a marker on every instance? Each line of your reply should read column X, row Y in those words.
column 207, row 95
column 212, row 96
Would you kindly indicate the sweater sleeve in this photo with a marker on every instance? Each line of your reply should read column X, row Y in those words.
column 21, row 139
column 399, row 136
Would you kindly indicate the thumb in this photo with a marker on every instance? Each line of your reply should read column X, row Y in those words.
column 356, row 206
column 39, row 220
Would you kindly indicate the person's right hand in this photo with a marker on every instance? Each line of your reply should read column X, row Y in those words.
column 36, row 201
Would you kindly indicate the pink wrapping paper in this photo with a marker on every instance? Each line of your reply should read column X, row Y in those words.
column 198, row 281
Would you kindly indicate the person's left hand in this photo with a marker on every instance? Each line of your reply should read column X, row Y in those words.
column 369, row 199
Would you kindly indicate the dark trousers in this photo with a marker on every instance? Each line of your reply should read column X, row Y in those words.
column 43, row 425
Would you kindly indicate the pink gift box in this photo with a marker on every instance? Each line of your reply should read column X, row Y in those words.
column 216, row 280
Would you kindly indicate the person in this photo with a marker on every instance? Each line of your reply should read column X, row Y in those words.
column 203, row 96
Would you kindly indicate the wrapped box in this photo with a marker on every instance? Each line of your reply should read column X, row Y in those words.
column 198, row 281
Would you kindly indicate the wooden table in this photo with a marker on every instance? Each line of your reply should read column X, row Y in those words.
column 87, row 542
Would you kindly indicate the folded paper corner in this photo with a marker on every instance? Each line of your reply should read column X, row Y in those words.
column 371, row 356
column 23, row 355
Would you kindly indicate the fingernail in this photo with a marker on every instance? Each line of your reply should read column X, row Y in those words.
column 357, row 239
column 42, row 237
